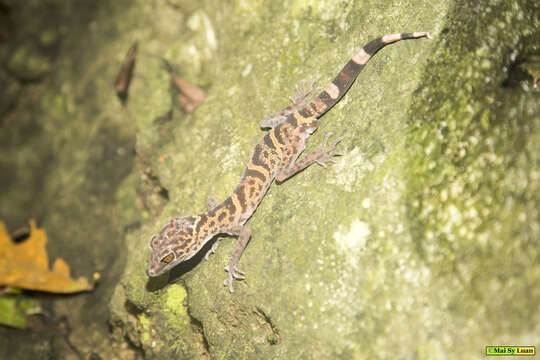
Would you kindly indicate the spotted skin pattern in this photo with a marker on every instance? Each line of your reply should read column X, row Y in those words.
column 274, row 157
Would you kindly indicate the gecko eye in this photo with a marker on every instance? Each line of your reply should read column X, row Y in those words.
column 167, row 259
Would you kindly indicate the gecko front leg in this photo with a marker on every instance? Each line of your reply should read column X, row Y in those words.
column 303, row 94
column 244, row 233
column 322, row 156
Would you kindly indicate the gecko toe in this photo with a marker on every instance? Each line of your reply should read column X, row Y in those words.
column 326, row 137
column 239, row 271
column 228, row 282
column 304, row 91
column 236, row 274
column 239, row 276
column 321, row 163
column 325, row 154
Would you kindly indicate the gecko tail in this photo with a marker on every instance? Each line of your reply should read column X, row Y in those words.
column 346, row 77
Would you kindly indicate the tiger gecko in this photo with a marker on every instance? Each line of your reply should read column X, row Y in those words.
column 275, row 157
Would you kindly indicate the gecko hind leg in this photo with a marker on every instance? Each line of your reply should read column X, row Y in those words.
column 244, row 233
column 304, row 93
column 323, row 156
column 326, row 153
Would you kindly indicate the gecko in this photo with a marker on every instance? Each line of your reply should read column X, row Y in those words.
column 275, row 157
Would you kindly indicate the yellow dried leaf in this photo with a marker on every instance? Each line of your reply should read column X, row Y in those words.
column 26, row 265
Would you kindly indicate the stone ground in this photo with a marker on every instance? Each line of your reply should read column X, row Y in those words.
column 420, row 243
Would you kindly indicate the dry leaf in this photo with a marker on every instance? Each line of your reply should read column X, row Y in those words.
column 123, row 79
column 189, row 95
column 26, row 265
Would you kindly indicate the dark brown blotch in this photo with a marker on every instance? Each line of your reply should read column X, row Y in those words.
column 268, row 142
column 326, row 99
column 373, row 46
column 291, row 119
column 257, row 160
column 230, row 205
column 241, row 196
column 349, row 73
column 256, row 174
column 200, row 223
column 305, row 113
column 181, row 246
column 277, row 134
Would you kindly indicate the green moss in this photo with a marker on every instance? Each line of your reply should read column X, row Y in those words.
column 327, row 10
column 126, row 203
column 145, row 328
column 13, row 310
column 389, row 249
column 54, row 104
column 28, row 64
column 176, row 295
column 48, row 37
column 471, row 190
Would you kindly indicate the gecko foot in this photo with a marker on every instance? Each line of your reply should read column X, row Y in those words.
column 303, row 92
column 237, row 274
column 212, row 250
column 325, row 153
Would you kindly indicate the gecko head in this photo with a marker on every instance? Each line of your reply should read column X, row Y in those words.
column 172, row 245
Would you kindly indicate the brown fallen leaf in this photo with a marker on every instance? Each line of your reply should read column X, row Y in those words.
column 26, row 265
column 189, row 95
column 123, row 79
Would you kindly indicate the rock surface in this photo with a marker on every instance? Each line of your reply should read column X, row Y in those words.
column 420, row 243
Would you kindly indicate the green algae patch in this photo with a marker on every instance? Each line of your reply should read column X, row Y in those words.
column 28, row 64
column 301, row 287
column 173, row 333
column 13, row 311
column 176, row 295
column 327, row 10
column 473, row 189
column 415, row 218
column 145, row 328
column 134, row 281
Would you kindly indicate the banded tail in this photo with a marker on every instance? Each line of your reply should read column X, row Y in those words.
column 346, row 77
